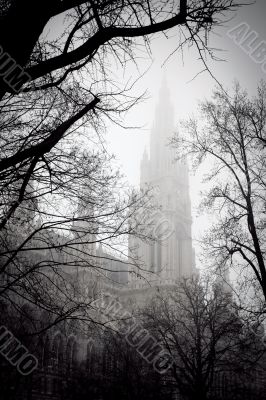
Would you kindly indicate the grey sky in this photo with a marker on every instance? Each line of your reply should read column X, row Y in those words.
column 129, row 145
column 179, row 70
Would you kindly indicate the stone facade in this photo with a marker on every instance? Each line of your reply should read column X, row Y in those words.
column 165, row 261
column 171, row 256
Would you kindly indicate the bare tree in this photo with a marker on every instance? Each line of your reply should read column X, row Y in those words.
column 231, row 138
column 198, row 325
column 56, row 208
column 49, row 245
column 94, row 29
column 128, row 375
column 93, row 36
column 59, row 201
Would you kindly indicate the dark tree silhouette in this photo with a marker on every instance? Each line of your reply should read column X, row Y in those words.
column 102, row 24
column 198, row 323
column 58, row 200
column 232, row 140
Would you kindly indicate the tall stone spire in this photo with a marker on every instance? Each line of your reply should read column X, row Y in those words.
column 162, row 130
column 171, row 257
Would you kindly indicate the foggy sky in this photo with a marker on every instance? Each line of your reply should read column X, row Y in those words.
column 179, row 70
column 128, row 146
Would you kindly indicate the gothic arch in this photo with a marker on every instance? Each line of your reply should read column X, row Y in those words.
column 71, row 352
column 107, row 362
column 90, row 356
column 110, row 362
column 46, row 352
column 57, row 351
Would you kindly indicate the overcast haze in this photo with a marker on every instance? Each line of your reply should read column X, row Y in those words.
column 101, row 295
column 186, row 89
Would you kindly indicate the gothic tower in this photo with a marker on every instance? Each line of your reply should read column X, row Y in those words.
column 171, row 256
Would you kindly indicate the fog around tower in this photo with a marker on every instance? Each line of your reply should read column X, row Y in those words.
column 188, row 84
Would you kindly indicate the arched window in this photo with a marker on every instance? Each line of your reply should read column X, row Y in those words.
column 57, row 352
column 91, row 359
column 107, row 362
column 71, row 353
column 46, row 353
